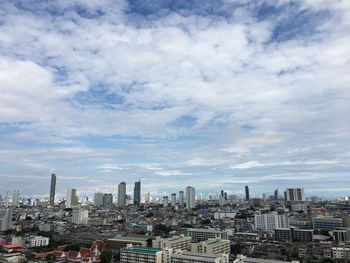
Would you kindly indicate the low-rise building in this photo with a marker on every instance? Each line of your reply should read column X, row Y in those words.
column 38, row 241
column 175, row 242
column 202, row 234
column 212, row 246
column 191, row 257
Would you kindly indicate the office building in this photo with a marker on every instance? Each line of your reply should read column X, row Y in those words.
column 191, row 257
column 268, row 222
column 15, row 198
column 275, row 194
column 122, row 194
column 175, row 242
column 294, row 195
column 294, row 234
column 190, row 197
column 327, row 223
column 165, row 201
column 5, row 219
column 181, row 199
column 98, row 199
column 80, row 216
column 173, row 200
column 283, row 234
column 72, row 199
column 212, row 246
column 137, row 193
column 52, row 189
column 247, row 197
column 202, row 234
column 107, row 201
column 148, row 197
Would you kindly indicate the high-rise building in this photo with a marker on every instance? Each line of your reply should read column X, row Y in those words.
column 181, row 199
column 98, row 199
column 268, row 222
column 15, row 198
column 247, row 198
column 295, row 195
column 173, row 200
column 122, row 194
column 137, row 193
column 165, row 201
column 52, row 189
column 5, row 219
column 107, row 201
column 148, row 197
column 7, row 199
column 275, row 194
column 190, row 197
column 72, row 199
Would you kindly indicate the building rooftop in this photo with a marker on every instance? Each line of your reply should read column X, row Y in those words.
column 140, row 250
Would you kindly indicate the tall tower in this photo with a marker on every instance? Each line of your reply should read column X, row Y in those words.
column 72, row 199
column 15, row 198
column 181, row 199
column 190, row 197
column 122, row 194
column 173, row 200
column 52, row 189
column 247, row 198
column 137, row 193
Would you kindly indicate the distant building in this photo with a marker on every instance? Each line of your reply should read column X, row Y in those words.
column 294, row 234
column 98, row 199
column 80, row 216
column 5, row 219
column 190, row 197
column 72, row 199
column 148, row 197
column 107, row 201
column 122, row 194
column 295, row 195
column 173, row 200
column 38, row 241
column 202, row 234
column 275, row 194
column 137, row 193
column 268, row 222
column 181, row 199
column 247, row 197
column 52, row 189
column 327, row 223
column 15, row 198
column 165, row 201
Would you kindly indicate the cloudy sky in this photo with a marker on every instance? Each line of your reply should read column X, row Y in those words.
column 213, row 94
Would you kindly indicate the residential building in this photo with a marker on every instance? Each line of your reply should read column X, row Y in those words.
column 137, row 193
column 141, row 255
column 72, row 199
column 191, row 257
column 98, row 199
column 190, row 197
column 38, row 241
column 327, row 223
column 202, row 234
column 52, row 189
column 80, row 216
column 107, row 201
column 175, row 242
column 212, row 246
column 5, row 219
column 165, row 201
column 173, row 200
column 247, row 197
column 181, row 199
column 122, row 194
column 295, row 195
column 244, row 259
column 268, row 222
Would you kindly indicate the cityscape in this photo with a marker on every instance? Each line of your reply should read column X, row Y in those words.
column 174, row 131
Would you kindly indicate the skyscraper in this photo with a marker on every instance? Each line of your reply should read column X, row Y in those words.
column 122, row 194
column 247, row 198
column 5, row 219
column 72, row 199
column 107, row 201
column 190, row 197
column 275, row 194
column 295, row 194
column 98, row 199
column 137, row 193
column 52, row 189
column 173, row 200
column 15, row 198
column 181, row 199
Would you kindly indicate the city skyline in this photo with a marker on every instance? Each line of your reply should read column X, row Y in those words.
column 212, row 95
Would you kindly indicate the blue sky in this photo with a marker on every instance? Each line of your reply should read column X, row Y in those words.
column 213, row 94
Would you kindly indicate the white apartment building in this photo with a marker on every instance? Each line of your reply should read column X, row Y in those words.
column 144, row 255
column 268, row 222
column 80, row 216
column 175, row 242
column 190, row 197
column 5, row 219
column 212, row 246
column 191, row 257
column 38, row 241
column 202, row 234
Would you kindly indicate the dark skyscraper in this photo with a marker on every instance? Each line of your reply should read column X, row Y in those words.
column 275, row 194
column 52, row 189
column 137, row 193
column 247, row 193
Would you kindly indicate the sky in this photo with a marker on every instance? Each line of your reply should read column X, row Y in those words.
column 213, row 94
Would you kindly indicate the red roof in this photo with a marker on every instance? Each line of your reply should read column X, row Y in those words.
column 12, row 246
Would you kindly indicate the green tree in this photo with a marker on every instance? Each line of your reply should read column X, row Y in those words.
column 73, row 247
column 106, row 256
column 236, row 248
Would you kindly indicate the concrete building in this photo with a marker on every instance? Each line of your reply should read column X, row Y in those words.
column 327, row 223
column 117, row 243
column 244, row 259
column 181, row 199
column 80, row 216
column 38, row 241
column 147, row 197
column 212, row 246
column 341, row 235
column 137, row 193
column 295, row 195
column 52, row 189
column 173, row 200
column 72, row 199
column 15, row 198
column 202, row 234
column 107, row 201
column 192, row 257
column 122, row 194
column 341, row 253
column 5, row 219
column 165, row 201
column 98, row 199
column 294, row 234
column 247, row 196
column 268, row 222
column 142, row 255
column 190, row 197
column 175, row 242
